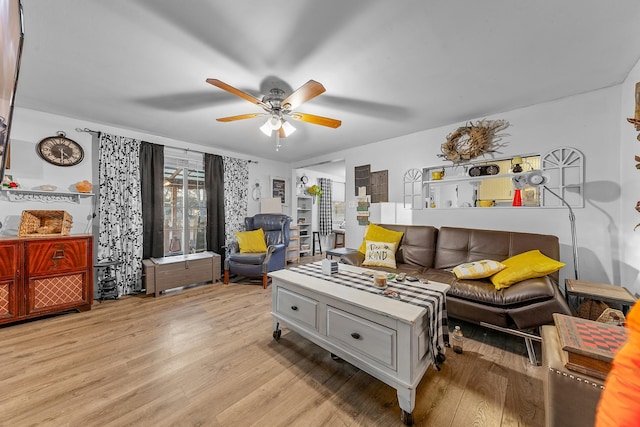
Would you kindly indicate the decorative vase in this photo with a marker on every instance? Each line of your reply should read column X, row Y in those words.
column 517, row 198
column 84, row 186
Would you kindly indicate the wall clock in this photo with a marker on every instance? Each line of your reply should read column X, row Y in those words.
column 60, row 150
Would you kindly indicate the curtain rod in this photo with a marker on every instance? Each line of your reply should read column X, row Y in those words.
column 87, row 130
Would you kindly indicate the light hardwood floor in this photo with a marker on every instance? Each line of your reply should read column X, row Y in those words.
column 205, row 356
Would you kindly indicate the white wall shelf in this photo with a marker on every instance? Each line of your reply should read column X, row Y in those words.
column 20, row 195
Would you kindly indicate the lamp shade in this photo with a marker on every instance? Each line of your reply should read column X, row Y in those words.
column 274, row 122
column 535, row 178
column 266, row 129
column 287, row 128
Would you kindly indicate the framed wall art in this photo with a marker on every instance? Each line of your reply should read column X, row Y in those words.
column 279, row 189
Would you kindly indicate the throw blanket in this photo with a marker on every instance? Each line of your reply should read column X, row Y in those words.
column 417, row 294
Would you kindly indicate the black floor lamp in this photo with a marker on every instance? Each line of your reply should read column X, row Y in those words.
column 535, row 178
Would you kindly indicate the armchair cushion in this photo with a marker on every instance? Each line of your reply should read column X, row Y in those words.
column 251, row 241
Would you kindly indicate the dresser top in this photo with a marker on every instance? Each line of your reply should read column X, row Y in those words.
column 5, row 239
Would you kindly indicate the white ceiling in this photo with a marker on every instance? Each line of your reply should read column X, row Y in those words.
column 390, row 68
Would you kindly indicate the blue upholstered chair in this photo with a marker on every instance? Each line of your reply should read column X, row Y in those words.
column 276, row 234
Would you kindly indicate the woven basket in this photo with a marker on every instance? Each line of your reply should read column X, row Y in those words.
column 612, row 316
column 591, row 309
column 45, row 223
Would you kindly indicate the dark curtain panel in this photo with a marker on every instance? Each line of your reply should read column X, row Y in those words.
column 151, row 183
column 214, row 187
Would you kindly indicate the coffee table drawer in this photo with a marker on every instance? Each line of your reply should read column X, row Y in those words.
column 375, row 341
column 298, row 307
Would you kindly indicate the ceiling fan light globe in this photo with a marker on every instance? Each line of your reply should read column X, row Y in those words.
column 266, row 128
column 287, row 128
column 274, row 122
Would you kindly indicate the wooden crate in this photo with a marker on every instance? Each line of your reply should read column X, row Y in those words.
column 45, row 223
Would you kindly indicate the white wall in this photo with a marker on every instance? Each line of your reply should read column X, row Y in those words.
column 30, row 126
column 587, row 122
column 630, row 184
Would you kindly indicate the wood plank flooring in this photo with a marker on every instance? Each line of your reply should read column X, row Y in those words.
column 204, row 356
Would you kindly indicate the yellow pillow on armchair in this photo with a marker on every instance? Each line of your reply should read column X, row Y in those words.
column 251, row 241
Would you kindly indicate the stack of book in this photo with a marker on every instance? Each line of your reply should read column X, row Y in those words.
column 588, row 346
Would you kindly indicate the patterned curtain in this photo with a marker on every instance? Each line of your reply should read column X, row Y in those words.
column 120, row 209
column 324, row 207
column 236, row 193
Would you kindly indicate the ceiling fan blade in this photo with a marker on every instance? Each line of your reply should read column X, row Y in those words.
column 316, row 120
column 237, row 92
column 307, row 91
column 282, row 133
column 240, row 117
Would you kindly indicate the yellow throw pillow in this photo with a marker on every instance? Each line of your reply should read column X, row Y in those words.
column 478, row 269
column 526, row 265
column 251, row 241
column 380, row 254
column 375, row 233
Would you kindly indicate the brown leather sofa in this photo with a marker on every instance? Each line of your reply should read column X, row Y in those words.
column 431, row 253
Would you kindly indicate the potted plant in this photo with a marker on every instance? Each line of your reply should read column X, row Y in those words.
column 314, row 191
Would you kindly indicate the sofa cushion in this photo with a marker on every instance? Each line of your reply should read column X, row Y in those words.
column 380, row 254
column 418, row 244
column 458, row 245
column 251, row 241
column 484, row 292
column 527, row 265
column 478, row 269
column 375, row 233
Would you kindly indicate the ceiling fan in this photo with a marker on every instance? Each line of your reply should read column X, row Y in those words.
column 277, row 107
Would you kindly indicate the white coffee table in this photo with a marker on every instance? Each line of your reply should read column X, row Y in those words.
column 387, row 338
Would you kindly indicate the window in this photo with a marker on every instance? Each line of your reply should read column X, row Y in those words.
column 185, row 211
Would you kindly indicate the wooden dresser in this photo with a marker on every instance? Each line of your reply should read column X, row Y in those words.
column 45, row 275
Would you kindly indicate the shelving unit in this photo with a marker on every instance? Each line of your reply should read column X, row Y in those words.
column 293, row 250
column 303, row 221
column 457, row 189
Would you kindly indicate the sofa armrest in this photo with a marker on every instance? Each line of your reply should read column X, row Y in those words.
column 355, row 258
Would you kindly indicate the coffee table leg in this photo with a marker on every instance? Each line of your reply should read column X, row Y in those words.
column 407, row 401
column 277, row 332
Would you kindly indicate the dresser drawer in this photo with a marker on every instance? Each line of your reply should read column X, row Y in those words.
column 8, row 261
column 374, row 341
column 62, row 255
column 297, row 307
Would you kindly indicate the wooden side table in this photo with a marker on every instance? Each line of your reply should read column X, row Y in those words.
column 601, row 292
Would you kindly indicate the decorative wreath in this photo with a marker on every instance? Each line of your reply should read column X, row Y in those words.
column 473, row 140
